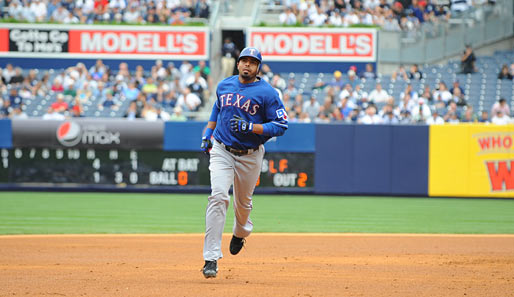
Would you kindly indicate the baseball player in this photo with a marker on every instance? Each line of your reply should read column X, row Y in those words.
column 246, row 114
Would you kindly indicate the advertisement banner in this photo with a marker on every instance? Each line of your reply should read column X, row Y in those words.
column 472, row 160
column 87, row 133
column 314, row 44
column 105, row 42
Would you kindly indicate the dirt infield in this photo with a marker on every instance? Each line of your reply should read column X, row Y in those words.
column 270, row 265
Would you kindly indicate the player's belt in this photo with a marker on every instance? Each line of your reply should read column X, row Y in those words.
column 237, row 152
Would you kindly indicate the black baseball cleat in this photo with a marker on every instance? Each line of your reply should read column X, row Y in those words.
column 210, row 269
column 236, row 244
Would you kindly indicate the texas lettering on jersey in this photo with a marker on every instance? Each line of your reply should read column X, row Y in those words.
column 239, row 101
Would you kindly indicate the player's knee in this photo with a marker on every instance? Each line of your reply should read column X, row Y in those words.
column 218, row 197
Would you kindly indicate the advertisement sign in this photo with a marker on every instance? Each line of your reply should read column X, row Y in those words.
column 87, row 133
column 314, row 44
column 107, row 42
column 472, row 160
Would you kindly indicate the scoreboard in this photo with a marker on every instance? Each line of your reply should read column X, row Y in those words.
column 118, row 153
column 138, row 168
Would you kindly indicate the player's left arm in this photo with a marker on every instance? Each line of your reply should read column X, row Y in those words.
column 276, row 122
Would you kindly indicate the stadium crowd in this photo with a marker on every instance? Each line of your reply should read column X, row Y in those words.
column 346, row 101
column 166, row 92
column 171, row 12
column 393, row 15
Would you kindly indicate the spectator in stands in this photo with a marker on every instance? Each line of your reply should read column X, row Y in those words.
column 77, row 110
column 15, row 99
column 435, row 119
column 328, row 111
column 198, row 85
column 287, row 17
column 420, row 112
column 346, row 92
column 132, row 112
column 368, row 73
column 405, row 117
column 130, row 92
column 452, row 113
column 132, row 15
column 337, row 81
column 469, row 116
column 60, row 14
column 5, row 109
column 502, row 106
column 500, row 118
column 417, row 10
column 177, row 115
column 229, row 53
column 109, row 102
column 8, row 73
column 51, row 114
column 353, row 116
column 201, row 9
column 378, row 95
column 57, row 85
column 18, row 113
column 17, row 78
column 290, row 90
column 459, row 6
column 504, row 73
column 484, row 117
column 388, row 116
column 371, row 116
column 426, row 94
column 441, row 93
column 188, row 100
column 414, row 72
column 458, row 97
column 59, row 105
column 400, row 73
column 311, row 108
column 15, row 10
column 204, row 70
column 149, row 88
column 468, row 60
column 172, row 72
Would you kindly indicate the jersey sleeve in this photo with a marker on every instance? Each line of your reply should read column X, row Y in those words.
column 276, row 117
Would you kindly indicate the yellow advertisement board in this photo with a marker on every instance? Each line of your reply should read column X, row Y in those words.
column 471, row 160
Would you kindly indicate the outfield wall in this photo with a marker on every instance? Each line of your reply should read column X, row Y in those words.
column 92, row 154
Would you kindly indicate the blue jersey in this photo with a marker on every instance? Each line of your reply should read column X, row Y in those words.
column 256, row 102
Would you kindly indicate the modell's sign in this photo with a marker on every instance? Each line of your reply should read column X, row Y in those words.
column 109, row 42
column 309, row 44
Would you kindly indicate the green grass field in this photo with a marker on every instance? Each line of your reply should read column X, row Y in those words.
column 63, row 213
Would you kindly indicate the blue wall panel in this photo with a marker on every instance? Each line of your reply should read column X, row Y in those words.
column 183, row 136
column 187, row 136
column 299, row 138
column 334, row 162
column 5, row 134
column 372, row 147
column 409, row 160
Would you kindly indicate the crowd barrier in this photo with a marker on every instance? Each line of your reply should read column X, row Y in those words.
column 119, row 155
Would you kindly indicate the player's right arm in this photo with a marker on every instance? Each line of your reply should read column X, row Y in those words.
column 211, row 125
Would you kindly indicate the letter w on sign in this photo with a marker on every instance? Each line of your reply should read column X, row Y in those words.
column 501, row 175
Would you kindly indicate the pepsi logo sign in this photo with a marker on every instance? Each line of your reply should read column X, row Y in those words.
column 69, row 133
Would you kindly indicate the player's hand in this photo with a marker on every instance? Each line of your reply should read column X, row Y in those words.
column 238, row 124
column 206, row 145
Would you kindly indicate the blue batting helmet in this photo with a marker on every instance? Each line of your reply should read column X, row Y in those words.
column 251, row 52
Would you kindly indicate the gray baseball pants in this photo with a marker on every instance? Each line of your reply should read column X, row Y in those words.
column 227, row 169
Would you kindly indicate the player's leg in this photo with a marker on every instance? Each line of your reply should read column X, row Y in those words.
column 247, row 171
column 222, row 175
